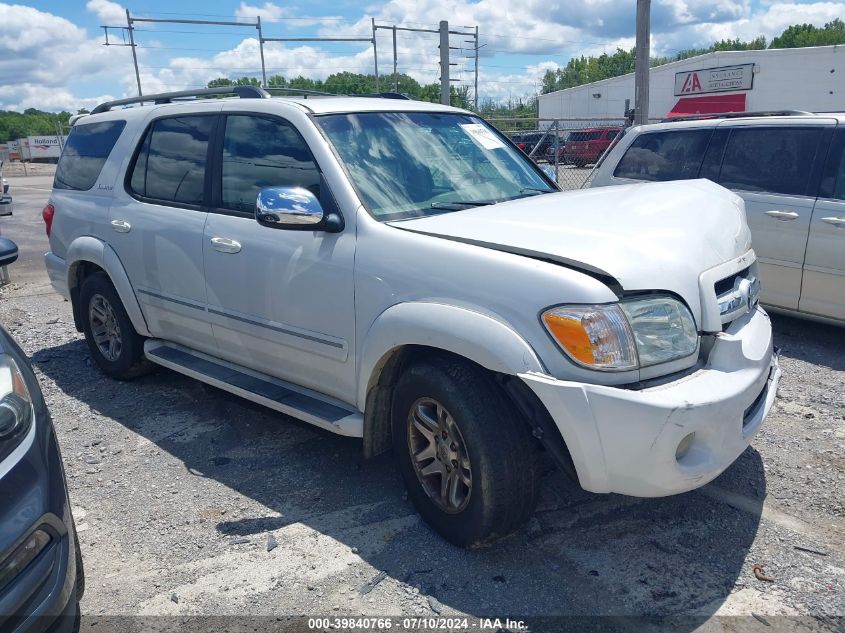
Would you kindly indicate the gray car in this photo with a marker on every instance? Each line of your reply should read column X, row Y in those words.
column 789, row 169
column 41, row 575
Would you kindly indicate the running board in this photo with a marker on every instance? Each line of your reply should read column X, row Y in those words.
column 273, row 393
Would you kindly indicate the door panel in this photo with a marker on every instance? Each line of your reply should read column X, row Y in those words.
column 283, row 305
column 157, row 231
column 283, row 302
column 779, row 241
column 771, row 167
column 823, row 289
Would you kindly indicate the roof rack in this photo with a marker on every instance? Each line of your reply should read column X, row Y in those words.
column 319, row 93
column 735, row 115
column 388, row 95
column 244, row 92
column 302, row 91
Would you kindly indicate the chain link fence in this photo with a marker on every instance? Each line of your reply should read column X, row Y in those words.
column 567, row 148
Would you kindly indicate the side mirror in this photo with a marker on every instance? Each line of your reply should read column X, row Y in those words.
column 8, row 251
column 294, row 208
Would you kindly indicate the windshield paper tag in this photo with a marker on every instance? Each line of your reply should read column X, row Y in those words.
column 482, row 135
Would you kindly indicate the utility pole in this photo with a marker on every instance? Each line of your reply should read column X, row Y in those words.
column 261, row 51
column 641, row 70
column 445, row 84
column 476, row 68
column 395, row 63
column 134, row 54
column 375, row 52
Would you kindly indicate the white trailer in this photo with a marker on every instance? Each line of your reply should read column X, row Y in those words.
column 41, row 148
column 726, row 81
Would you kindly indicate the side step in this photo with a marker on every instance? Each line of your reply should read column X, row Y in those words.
column 276, row 394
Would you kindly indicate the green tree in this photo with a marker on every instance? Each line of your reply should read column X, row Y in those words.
column 801, row 35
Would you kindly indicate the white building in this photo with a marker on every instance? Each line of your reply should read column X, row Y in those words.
column 811, row 79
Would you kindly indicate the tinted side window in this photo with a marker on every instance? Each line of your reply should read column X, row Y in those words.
column 662, row 156
column 85, row 152
column 833, row 177
column 774, row 159
column 712, row 163
column 171, row 163
column 258, row 153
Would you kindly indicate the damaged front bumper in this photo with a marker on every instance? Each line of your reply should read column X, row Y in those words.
column 674, row 437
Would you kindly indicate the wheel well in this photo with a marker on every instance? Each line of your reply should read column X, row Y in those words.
column 78, row 273
column 377, row 427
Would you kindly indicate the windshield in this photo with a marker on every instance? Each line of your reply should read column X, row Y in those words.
column 413, row 164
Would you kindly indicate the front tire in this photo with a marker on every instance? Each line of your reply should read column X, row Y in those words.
column 114, row 344
column 469, row 462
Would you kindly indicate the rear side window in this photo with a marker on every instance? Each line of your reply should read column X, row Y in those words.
column 170, row 166
column 773, row 159
column 659, row 156
column 85, row 152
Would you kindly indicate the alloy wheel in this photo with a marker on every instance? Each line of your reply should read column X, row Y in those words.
column 439, row 455
column 105, row 329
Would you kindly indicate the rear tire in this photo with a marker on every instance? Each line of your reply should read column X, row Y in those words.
column 114, row 344
column 447, row 412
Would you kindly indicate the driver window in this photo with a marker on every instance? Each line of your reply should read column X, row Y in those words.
column 260, row 152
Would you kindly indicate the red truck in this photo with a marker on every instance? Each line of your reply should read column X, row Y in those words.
column 587, row 145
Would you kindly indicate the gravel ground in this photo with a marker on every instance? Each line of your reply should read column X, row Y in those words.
column 190, row 501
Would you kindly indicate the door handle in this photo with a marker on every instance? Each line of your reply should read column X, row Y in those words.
column 837, row 222
column 121, row 226
column 225, row 245
column 784, row 216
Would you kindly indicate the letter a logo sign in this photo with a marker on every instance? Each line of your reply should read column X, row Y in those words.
column 691, row 83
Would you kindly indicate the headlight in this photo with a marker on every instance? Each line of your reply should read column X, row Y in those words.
column 625, row 335
column 15, row 406
column 663, row 329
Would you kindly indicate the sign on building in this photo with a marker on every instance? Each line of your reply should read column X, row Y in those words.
column 724, row 79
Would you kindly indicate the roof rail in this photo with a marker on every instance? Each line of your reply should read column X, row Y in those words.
column 388, row 95
column 320, row 93
column 735, row 115
column 302, row 91
column 244, row 92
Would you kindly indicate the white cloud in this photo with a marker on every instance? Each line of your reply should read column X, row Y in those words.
column 41, row 50
column 269, row 10
column 109, row 13
column 42, row 55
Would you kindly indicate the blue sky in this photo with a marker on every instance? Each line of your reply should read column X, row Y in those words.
column 52, row 57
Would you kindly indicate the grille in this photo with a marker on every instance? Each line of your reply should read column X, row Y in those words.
column 736, row 295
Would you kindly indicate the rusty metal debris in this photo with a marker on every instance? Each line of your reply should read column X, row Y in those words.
column 759, row 575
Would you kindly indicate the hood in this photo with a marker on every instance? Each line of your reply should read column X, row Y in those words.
column 646, row 236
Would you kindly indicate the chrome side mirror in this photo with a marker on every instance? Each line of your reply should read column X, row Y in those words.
column 288, row 208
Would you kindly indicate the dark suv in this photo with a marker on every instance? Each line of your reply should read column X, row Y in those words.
column 528, row 141
column 41, row 576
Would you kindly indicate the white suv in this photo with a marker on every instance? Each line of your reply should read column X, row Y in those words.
column 400, row 272
column 789, row 169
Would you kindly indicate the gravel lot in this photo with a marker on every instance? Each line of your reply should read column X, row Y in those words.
column 190, row 501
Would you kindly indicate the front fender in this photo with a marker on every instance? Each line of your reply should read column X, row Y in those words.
column 91, row 249
column 469, row 334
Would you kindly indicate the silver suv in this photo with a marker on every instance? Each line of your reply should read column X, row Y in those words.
column 400, row 272
column 790, row 169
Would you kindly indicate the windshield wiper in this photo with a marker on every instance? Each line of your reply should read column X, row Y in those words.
column 461, row 204
column 535, row 191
